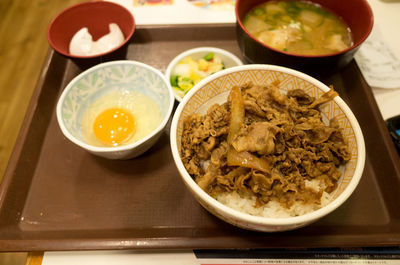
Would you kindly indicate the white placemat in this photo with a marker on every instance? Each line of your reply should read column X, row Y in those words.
column 164, row 12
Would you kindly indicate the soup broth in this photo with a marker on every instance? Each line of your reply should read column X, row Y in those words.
column 298, row 27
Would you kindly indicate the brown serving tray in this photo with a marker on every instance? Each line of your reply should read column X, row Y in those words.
column 56, row 196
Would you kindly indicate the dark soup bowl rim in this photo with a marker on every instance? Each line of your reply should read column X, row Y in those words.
column 354, row 46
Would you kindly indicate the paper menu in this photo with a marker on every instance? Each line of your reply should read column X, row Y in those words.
column 389, row 256
column 163, row 12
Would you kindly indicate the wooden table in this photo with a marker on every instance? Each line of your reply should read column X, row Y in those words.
column 23, row 47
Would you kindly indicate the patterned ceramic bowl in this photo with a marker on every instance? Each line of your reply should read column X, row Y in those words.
column 126, row 83
column 215, row 89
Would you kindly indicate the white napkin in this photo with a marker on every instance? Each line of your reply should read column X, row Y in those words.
column 381, row 69
column 378, row 63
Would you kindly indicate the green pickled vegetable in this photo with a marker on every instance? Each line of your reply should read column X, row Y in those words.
column 174, row 80
column 185, row 83
column 209, row 56
column 259, row 11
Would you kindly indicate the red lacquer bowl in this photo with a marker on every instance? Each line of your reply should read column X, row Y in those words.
column 96, row 16
column 356, row 13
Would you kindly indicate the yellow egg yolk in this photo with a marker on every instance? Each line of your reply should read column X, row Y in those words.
column 113, row 126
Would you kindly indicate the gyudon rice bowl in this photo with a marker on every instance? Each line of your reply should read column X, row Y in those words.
column 267, row 148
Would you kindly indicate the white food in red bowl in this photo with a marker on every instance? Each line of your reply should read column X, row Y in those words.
column 297, row 195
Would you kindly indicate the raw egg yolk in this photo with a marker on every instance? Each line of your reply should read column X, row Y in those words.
column 113, row 126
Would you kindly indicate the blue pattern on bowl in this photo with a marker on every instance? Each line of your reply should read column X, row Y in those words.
column 101, row 80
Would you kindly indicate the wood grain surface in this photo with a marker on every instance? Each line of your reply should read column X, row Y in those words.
column 34, row 258
column 23, row 47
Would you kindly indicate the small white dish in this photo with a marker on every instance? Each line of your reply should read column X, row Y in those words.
column 229, row 60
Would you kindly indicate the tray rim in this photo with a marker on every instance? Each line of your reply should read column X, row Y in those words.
column 22, row 134
column 74, row 244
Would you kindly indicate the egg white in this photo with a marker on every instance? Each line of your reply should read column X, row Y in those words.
column 146, row 112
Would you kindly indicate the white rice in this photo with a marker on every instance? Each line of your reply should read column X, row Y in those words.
column 272, row 209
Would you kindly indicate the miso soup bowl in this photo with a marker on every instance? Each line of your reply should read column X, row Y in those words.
column 356, row 13
column 215, row 89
